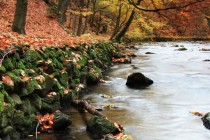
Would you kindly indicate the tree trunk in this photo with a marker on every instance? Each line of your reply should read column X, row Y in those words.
column 62, row 7
column 81, row 6
column 117, row 25
column 20, row 17
column 91, row 109
column 125, row 28
column 127, row 24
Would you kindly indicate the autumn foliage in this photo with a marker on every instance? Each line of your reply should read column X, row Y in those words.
column 40, row 29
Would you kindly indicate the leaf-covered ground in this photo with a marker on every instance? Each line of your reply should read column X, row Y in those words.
column 40, row 29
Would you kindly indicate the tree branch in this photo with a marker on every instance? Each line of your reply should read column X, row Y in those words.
column 162, row 9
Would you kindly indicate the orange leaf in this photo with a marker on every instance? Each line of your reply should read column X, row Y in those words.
column 7, row 80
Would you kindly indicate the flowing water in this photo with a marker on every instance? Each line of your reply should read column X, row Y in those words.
column 162, row 110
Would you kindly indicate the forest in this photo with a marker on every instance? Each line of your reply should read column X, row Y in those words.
column 53, row 50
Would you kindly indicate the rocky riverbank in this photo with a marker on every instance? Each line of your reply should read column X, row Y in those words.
column 43, row 80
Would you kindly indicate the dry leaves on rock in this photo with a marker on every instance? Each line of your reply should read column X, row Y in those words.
column 7, row 80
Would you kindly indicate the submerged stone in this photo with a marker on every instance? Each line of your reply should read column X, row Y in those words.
column 98, row 126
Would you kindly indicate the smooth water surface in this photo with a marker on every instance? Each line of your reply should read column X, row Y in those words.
column 162, row 110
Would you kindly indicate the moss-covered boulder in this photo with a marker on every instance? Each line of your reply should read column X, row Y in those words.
column 29, row 87
column 98, row 126
column 61, row 121
column 46, row 85
column 8, row 65
column 27, row 107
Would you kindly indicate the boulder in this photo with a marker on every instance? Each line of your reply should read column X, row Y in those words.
column 98, row 126
column 206, row 120
column 138, row 80
column 61, row 121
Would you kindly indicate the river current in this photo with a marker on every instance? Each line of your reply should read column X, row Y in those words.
column 160, row 111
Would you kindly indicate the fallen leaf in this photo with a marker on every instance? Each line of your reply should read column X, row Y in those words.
column 7, row 80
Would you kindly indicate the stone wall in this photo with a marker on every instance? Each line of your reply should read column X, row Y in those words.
column 42, row 80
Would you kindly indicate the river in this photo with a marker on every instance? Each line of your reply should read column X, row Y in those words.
column 160, row 111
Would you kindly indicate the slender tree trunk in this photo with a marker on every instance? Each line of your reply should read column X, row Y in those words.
column 79, row 29
column 127, row 24
column 125, row 28
column 62, row 7
column 94, row 12
column 20, row 17
column 117, row 25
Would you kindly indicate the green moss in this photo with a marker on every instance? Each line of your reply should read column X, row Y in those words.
column 1, row 102
column 2, row 69
column 7, row 63
column 7, row 130
column 57, row 87
column 100, row 126
column 46, row 85
column 50, row 108
column 73, row 83
column 18, row 83
column 26, row 107
column 56, row 64
column 16, row 99
column 20, row 65
column 29, row 87
column 36, row 101
column 62, row 78
column 31, row 56
column 7, row 98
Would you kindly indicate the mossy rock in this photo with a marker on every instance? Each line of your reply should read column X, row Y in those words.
column 98, row 126
column 70, row 68
column 24, row 123
column 1, row 102
column 29, row 87
column 47, row 85
column 3, row 120
column 51, row 99
column 57, row 86
column 18, row 83
column 36, row 101
column 74, row 83
column 93, row 76
column 26, row 107
column 57, row 64
column 7, row 63
column 31, row 56
column 61, row 122
column 68, row 97
column 20, row 65
column 50, row 108
column 16, row 99
column 6, row 130
column 62, row 77
column 2, row 69
column 7, row 98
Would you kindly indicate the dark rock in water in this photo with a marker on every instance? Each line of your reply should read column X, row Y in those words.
column 61, row 122
column 149, row 53
column 206, row 60
column 182, row 49
column 99, row 126
column 138, row 80
column 134, row 67
column 206, row 120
